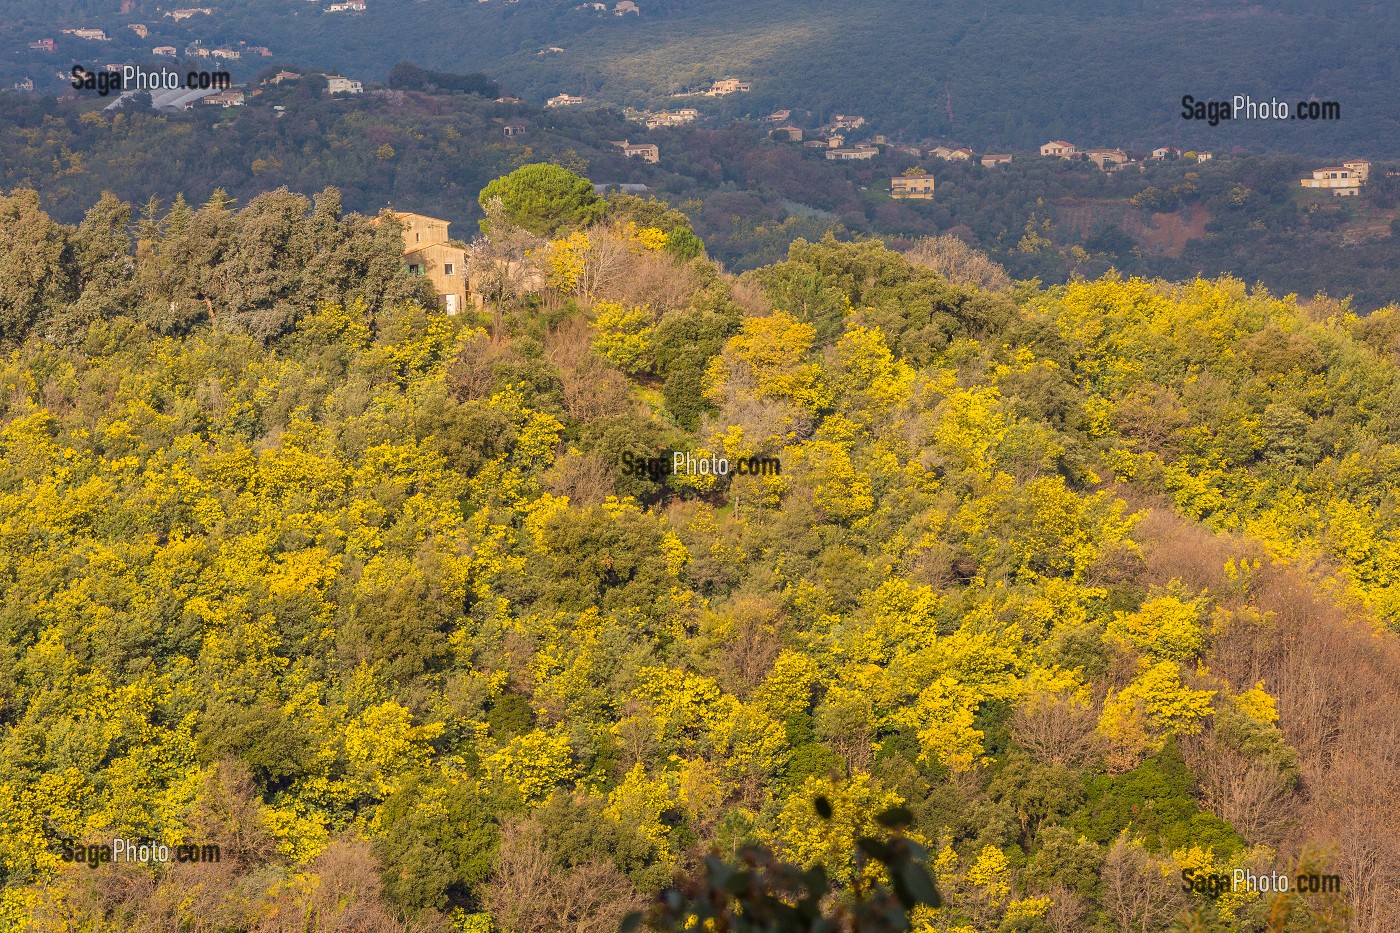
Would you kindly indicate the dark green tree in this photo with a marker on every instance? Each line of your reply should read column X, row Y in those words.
column 261, row 736
column 102, row 251
column 544, row 199
column 258, row 287
column 36, row 272
column 761, row 894
column 685, row 342
column 168, row 277
column 437, row 844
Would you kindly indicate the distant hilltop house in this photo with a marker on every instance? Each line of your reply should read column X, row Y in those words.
column 626, row 6
column 282, row 76
column 178, row 15
column 262, row 50
column 916, row 187
column 550, row 50
column 1204, row 156
column 427, row 252
column 25, row 85
column 854, row 154
column 847, row 121
column 951, row 155
column 229, row 98
column 671, row 117
column 96, row 35
column 1058, row 147
column 229, row 54
column 1107, row 159
column 350, row 6
column 44, row 45
column 1343, row 180
column 164, row 51
column 513, row 130
column 564, row 100
column 1165, row 152
column 728, row 86
column 791, row 134
column 779, row 116
column 993, row 159
column 644, row 151
column 336, row 84
column 140, row 29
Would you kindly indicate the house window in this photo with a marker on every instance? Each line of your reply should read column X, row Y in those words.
column 415, row 269
column 449, row 268
column 417, row 237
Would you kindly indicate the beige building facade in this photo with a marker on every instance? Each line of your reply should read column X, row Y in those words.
column 428, row 252
column 1344, row 180
column 915, row 187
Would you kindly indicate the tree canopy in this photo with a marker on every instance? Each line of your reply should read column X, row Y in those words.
column 544, row 199
column 1040, row 598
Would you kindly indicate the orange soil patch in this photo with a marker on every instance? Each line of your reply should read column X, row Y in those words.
column 1163, row 233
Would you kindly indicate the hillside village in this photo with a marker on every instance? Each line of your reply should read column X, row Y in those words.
column 841, row 137
column 177, row 37
column 756, row 179
column 847, row 138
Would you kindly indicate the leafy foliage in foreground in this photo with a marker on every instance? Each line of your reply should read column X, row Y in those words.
column 373, row 602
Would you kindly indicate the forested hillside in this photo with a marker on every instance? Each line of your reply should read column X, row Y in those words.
column 1100, row 582
column 996, row 73
column 748, row 197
